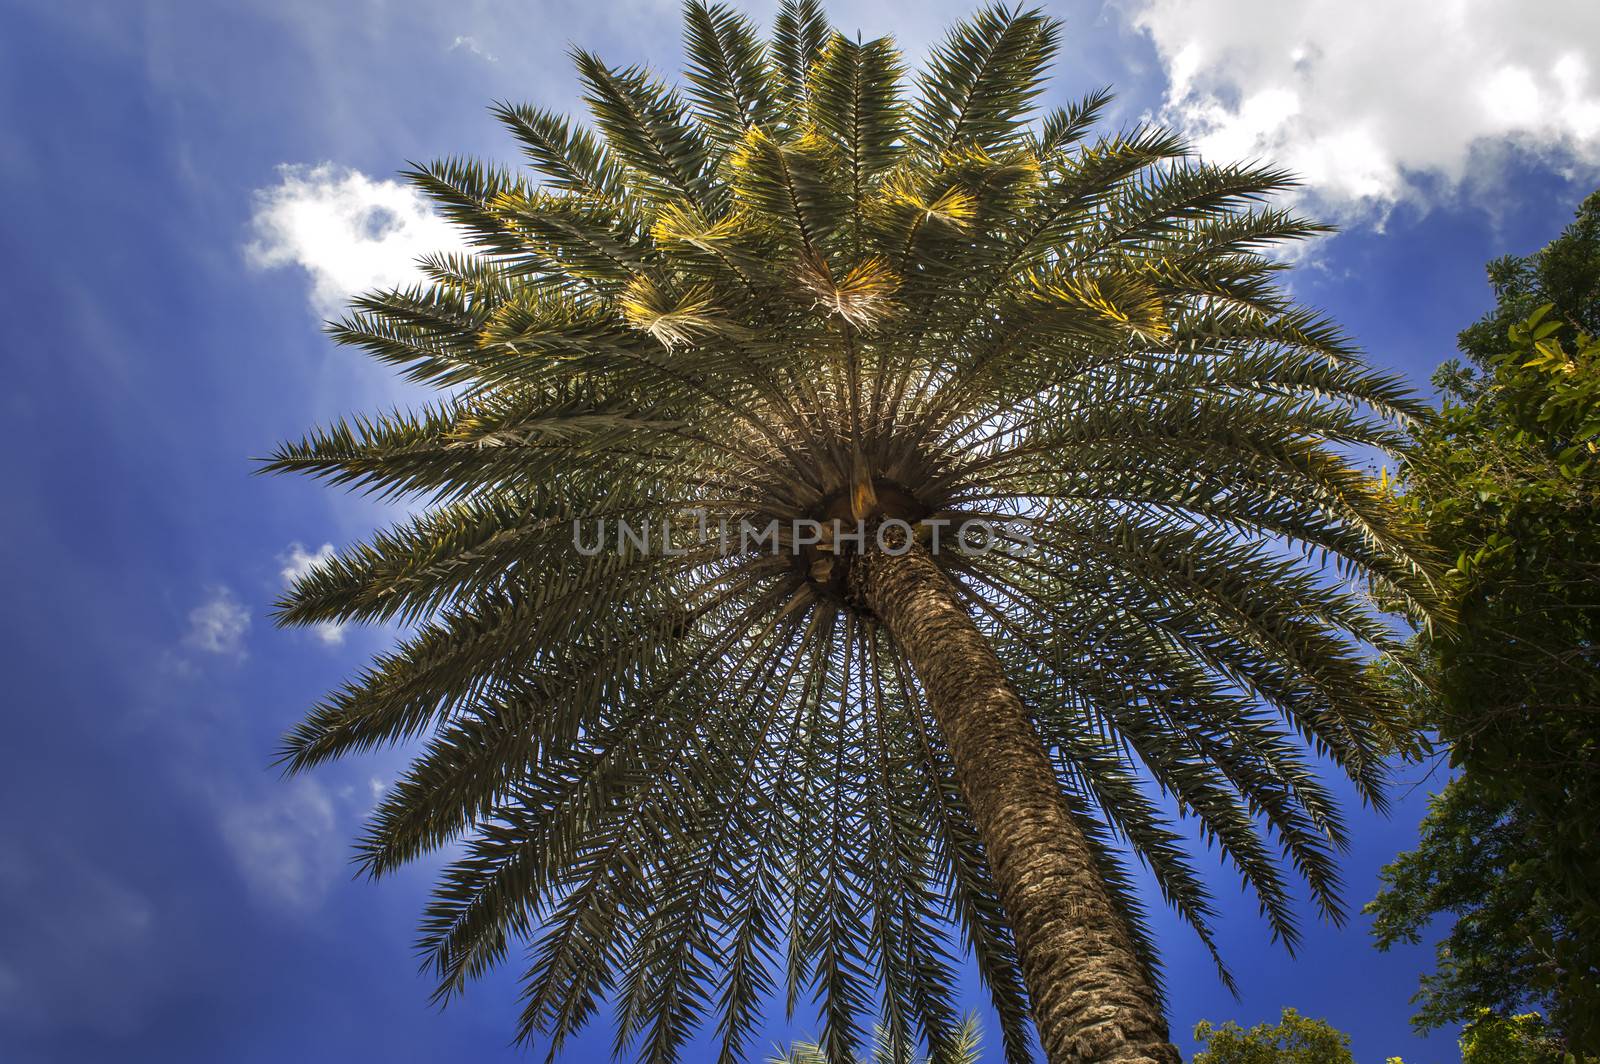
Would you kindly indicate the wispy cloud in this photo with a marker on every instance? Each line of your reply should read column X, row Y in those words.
column 349, row 232
column 286, row 846
column 218, row 625
column 297, row 562
column 470, row 44
column 1363, row 97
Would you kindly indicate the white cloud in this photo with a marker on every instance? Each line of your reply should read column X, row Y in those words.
column 1361, row 97
column 286, row 847
column 470, row 44
column 218, row 625
column 297, row 562
column 349, row 232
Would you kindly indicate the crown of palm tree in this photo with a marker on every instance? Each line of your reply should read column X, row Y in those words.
column 804, row 289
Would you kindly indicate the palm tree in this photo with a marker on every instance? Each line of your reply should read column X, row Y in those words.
column 808, row 291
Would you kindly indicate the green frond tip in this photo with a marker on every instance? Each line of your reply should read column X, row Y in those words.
column 983, row 80
column 798, row 36
column 732, row 87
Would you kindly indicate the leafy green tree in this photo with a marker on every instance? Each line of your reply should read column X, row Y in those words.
column 806, row 290
column 1565, row 273
column 1507, row 479
column 1479, row 861
column 1294, row 1039
column 1521, row 1039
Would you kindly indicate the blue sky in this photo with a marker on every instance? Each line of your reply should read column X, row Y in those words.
column 188, row 186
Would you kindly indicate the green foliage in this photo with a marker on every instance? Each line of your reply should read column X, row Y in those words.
column 1507, row 479
column 1565, row 273
column 1294, row 1039
column 1478, row 861
column 1521, row 1039
column 685, row 781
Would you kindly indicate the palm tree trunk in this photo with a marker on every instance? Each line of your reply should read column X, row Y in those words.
column 1091, row 998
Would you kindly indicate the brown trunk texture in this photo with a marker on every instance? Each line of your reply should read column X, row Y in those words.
column 1091, row 999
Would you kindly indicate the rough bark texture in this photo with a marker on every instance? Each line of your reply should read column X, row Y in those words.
column 1091, row 999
